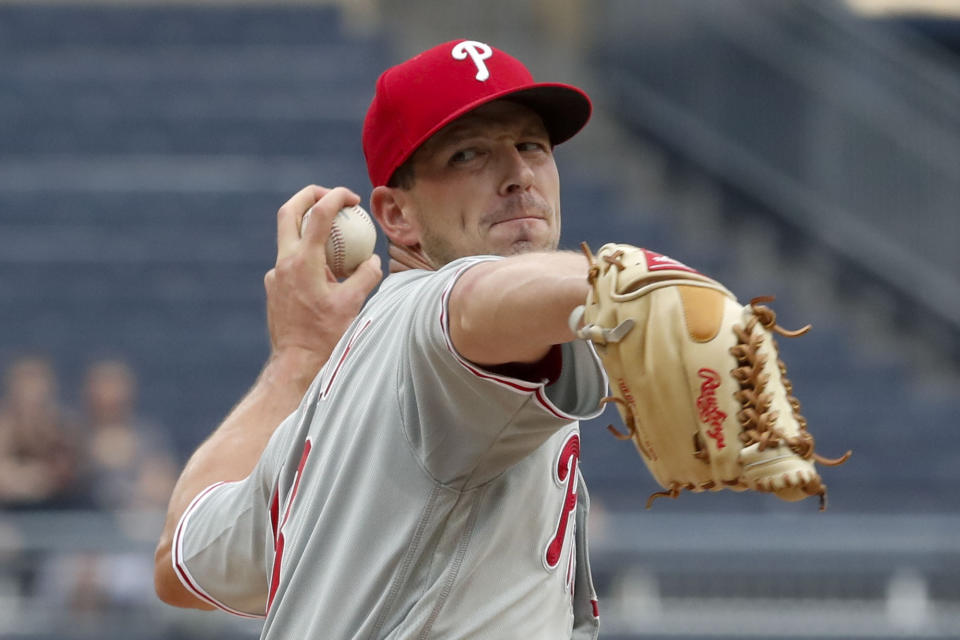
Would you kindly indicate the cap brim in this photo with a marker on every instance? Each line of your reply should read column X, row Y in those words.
column 565, row 110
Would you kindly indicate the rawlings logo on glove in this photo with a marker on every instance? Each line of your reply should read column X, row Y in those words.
column 710, row 413
column 697, row 378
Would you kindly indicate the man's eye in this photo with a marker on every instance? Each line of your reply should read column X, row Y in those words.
column 531, row 145
column 465, row 155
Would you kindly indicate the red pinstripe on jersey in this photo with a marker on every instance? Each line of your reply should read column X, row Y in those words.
column 343, row 356
column 275, row 513
column 278, row 531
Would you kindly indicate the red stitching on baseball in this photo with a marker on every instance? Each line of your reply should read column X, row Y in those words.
column 338, row 254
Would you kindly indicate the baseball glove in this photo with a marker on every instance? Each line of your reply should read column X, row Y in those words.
column 697, row 378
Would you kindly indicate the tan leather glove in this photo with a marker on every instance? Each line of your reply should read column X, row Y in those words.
column 697, row 378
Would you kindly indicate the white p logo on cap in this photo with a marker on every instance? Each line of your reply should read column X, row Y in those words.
column 478, row 52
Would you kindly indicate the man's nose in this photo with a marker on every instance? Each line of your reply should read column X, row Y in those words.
column 518, row 174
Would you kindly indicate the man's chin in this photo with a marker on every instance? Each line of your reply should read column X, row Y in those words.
column 440, row 254
column 528, row 246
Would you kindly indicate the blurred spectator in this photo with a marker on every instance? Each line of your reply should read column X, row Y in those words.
column 128, row 463
column 38, row 463
column 127, row 466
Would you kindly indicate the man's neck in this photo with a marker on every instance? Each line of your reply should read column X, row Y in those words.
column 404, row 258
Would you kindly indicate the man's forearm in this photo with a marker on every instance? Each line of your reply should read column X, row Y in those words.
column 514, row 310
column 233, row 449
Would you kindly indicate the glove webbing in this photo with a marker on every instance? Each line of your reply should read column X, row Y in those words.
column 759, row 423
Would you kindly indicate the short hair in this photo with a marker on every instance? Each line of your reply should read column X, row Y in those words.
column 404, row 176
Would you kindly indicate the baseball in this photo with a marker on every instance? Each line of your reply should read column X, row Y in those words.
column 351, row 241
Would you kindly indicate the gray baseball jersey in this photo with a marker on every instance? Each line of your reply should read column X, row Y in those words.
column 412, row 494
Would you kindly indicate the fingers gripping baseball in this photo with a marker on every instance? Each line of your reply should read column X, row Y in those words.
column 350, row 238
column 307, row 309
column 290, row 215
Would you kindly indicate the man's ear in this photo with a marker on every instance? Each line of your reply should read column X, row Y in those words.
column 391, row 208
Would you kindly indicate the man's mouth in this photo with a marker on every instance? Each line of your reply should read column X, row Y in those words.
column 516, row 219
column 525, row 207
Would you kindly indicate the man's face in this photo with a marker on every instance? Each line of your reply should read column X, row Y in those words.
column 486, row 184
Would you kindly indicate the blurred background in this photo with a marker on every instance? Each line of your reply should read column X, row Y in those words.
column 808, row 149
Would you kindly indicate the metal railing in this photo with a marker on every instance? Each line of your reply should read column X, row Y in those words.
column 659, row 575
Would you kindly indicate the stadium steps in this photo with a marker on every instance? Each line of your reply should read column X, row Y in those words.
column 143, row 156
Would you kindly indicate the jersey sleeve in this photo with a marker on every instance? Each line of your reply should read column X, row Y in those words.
column 466, row 419
column 222, row 541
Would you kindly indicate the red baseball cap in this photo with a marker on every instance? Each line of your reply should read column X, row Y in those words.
column 417, row 98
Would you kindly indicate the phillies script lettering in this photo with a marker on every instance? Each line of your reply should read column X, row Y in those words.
column 707, row 405
column 477, row 52
column 564, row 475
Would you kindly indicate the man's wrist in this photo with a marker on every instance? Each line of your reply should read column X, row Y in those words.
column 293, row 366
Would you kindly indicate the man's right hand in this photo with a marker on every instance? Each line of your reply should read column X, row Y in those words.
column 308, row 310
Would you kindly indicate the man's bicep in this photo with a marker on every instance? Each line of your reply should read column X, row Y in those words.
column 168, row 586
column 516, row 309
column 219, row 548
column 460, row 325
column 480, row 319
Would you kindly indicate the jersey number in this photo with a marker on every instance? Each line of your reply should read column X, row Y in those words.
column 278, row 526
column 565, row 475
